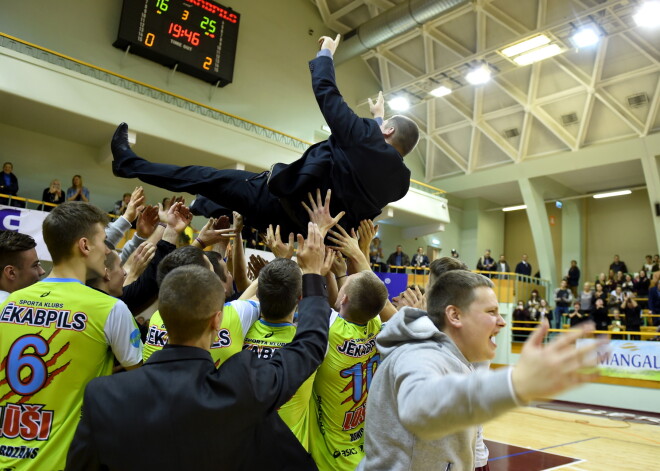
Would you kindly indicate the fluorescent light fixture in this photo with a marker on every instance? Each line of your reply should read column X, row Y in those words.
column 440, row 91
column 538, row 54
column 399, row 103
column 526, row 45
column 515, row 208
column 612, row 193
column 648, row 15
column 436, row 241
column 478, row 75
column 585, row 37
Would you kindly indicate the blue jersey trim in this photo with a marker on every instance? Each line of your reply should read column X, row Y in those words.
column 62, row 280
column 275, row 324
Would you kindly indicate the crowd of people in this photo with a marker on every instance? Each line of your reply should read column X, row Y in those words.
column 249, row 364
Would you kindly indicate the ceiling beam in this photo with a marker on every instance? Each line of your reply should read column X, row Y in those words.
column 653, row 110
column 449, row 151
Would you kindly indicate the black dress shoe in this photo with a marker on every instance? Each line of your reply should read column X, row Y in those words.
column 121, row 152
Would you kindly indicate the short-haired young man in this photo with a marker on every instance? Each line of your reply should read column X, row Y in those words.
column 342, row 381
column 279, row 290
column 180, row 412
column 55, row 336
column 429, row 397
column 237, row 317
column 19, row 263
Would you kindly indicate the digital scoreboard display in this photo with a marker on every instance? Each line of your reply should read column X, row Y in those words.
column 197, row 36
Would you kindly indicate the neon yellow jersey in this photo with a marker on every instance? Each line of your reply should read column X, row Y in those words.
column 237, row 317
column 264, row 338
column 339, row 395
column 54, row 339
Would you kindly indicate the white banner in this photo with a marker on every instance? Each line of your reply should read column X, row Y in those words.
column 628, row 359
column 25, row 221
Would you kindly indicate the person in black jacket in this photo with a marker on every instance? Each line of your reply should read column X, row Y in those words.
column 179, row 412
column 361, row 162
column 9, row 183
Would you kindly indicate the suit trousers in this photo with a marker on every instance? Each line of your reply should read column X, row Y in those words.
column 237, row 190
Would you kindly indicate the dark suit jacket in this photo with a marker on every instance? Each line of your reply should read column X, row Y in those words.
column 178, row 412
column 524, row 269
column 364, row 172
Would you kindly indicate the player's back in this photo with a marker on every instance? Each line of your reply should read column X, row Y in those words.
column 339, row 398
column 263, row 339
column 54, row 339
column 237, row 317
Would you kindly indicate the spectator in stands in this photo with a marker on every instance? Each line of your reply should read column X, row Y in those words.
column 654, row 300
column 602, row 279
column 534, row 300
column 543, row 311
column 615, row 299
column 53, row 194
column 420, row 260
column 563, row 299
column 503, row 267
column 648, row 264
column 575, row 316
column 77, row 192
column 586, row 299
column 19, row 263
column 599, row 315
column 610, row 283
column 521, row 315
column 641, row 284
column 616, row 323
column 633, row 314
column 524, row 267
column 121, row 205
column 486, row 263
column 619, row 278
column 573, row 277
column 656, row 263
column 376, row 254
column 599, row 293
column 618, row 266
column 8, row 182
column 399, row 259
column 628, row 285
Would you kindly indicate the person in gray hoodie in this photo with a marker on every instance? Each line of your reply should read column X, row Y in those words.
column 427, row 400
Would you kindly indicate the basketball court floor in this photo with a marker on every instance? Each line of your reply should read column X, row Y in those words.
column 555, row 436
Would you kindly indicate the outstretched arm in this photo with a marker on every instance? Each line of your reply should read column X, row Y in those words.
column 346, row 126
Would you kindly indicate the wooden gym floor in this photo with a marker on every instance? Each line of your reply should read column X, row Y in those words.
column 538, row 438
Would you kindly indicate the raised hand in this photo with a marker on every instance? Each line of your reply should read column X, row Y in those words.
column 275, row 244
column 366, row 232
column 327, row 42
column 210, row 236
column 147, row 221
column 320, row 212
column 377, row 109
column 138, row 261
column 545, row 370
column 311, row 251
column 135, row 205
column 349, row 246
column 256, row 263
column 178, row 217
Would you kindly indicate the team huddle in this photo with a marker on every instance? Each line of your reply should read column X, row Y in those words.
column 310, row 367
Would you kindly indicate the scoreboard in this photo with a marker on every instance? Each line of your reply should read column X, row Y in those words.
column 199, row 37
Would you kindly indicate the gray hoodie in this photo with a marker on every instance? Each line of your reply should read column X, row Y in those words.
column 426, row 400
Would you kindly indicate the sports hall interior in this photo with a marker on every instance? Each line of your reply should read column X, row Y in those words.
column 548, row 136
